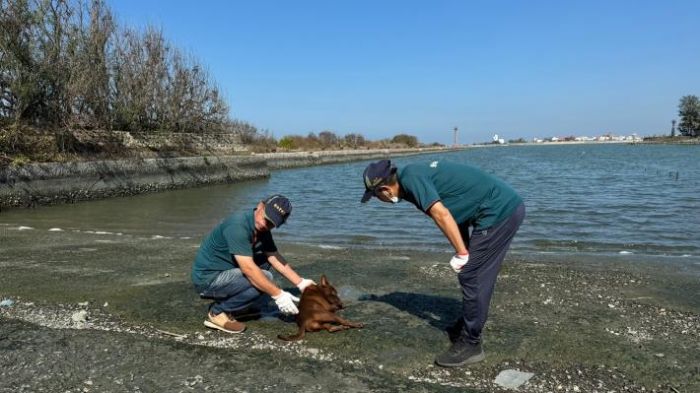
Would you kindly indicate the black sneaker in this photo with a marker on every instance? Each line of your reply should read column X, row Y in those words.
column 460, row 353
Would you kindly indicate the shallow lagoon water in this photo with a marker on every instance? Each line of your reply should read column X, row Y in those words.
column 604, row 199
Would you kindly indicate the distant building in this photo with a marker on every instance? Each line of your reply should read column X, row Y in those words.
column 498, row 140
column 607, row 137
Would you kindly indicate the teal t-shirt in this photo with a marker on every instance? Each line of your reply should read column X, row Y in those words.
column 472, row 196
column 233, row 236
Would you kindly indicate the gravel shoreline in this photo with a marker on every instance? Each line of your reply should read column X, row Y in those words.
column 583, row 326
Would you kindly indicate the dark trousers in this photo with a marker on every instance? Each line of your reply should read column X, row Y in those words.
column 487, row 249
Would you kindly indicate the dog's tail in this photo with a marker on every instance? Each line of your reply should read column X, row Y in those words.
column 293, row 337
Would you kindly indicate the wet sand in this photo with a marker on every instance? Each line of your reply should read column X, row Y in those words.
column 583, row 325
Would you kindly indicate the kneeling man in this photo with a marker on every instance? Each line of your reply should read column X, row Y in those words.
column 233, row 264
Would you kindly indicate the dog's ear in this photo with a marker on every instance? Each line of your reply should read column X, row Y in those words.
column 324, row 281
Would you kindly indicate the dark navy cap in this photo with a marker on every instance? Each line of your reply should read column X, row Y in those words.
column 376, row 174
column 277, row 209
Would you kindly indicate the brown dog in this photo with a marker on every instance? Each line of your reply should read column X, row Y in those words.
column 317, row 309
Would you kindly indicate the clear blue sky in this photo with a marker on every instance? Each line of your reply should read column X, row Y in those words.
column 518, row 68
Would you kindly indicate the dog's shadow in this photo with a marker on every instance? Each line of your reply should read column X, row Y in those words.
column 439, row 311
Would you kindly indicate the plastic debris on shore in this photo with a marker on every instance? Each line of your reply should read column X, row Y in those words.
column 79, row 316
column 7, row 303
column 512, row 379
column 350, row 293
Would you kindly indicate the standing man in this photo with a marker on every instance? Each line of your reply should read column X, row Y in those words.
column 458, row 196
column 233, row 263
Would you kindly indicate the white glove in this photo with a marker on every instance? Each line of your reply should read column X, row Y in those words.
column 458, row 261
column 285, row 302
column 305, row 282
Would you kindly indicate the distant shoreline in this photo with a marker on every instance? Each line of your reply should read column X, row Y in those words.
column 695, row 141
column 557, row 143
column 672, row 141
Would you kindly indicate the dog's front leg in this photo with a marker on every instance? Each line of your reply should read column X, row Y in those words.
column 347, row 323
column 334, row 328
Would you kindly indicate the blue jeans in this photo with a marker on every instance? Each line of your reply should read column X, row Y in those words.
column 487, row 249
column 231, row 291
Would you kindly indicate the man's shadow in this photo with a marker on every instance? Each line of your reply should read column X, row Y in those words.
column 439, row 311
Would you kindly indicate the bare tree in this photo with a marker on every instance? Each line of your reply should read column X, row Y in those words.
column 66, row 63
column 327, row 139
column 20, row 89
column 89, row 74
column 354, row 140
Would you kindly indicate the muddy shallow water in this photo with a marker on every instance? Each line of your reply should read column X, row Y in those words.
column 583, row 324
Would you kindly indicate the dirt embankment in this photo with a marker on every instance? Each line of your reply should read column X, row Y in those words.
column 68, row 182
column 671, row 140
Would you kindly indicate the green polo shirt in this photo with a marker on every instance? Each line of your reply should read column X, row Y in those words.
column 233, row 236
column 471, row 195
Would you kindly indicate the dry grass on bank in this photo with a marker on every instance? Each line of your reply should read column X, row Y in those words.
column 21, row 145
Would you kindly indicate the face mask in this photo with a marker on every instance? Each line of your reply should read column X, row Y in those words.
column 393, row 199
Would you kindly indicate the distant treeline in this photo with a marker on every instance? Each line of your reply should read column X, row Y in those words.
column 328, row 140
column 689, row 113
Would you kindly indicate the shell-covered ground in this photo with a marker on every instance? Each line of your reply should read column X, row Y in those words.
column 102, row 312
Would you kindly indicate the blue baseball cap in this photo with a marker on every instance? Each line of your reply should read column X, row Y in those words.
column 277, row 209
column 376, row 174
